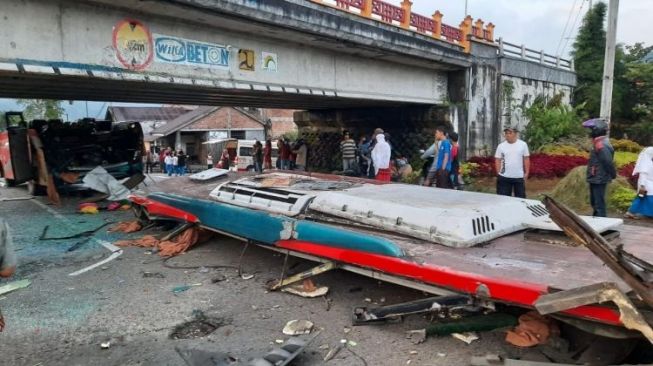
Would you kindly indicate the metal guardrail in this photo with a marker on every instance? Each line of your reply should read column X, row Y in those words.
column 528, row 54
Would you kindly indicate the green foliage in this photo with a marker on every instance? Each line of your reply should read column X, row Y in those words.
column 573, row 191
column 636, row 52
column 622, row 158
column 621, row 198
column 551, row 121
column 626, row 145
column 467, row 171
column 588, row 53
column 561, row 149
column 412, row 178
column 41, row 109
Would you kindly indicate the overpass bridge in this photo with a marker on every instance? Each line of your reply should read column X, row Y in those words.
column 348, row 63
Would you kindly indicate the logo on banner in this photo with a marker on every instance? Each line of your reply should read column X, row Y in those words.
column 187, row 52
column 269, row 61
column 133, row 44
column 246, row 60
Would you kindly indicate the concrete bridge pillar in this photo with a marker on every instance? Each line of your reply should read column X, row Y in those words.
column 410, row 129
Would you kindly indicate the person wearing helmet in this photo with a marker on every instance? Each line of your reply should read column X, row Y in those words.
column 600, row 167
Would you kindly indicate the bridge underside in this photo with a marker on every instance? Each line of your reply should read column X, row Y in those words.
column 23, row 85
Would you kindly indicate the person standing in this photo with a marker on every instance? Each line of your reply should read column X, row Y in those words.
column 224, row 160
column 381, row 158
column 292, row 157
column 512, row 164
column 600, row 167
column 209, row 161
column 267, row 155
column 301, row 151
column 162, row 161
column 257, row 153
column 181, row 162
column 7, row 258
column 643, row 203
column 443, row 162
column 148, row 162
column 364, row 156
column 455, row 162
column 348, row 151
column 430, row 157
column 284, row 154
column 168, row 163
column 174, row 161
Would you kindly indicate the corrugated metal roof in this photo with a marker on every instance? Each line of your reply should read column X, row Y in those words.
column 166, row 114
column 183, row 120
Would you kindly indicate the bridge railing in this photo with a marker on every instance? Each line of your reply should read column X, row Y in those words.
column 528, row 54
column 403, row 16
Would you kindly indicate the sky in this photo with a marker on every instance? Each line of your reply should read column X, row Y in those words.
column 548, row 25
column 539, row 24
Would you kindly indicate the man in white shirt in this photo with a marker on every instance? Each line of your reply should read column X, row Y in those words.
column 512, row 164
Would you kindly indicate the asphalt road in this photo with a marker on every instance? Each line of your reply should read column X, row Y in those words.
column 63, row 320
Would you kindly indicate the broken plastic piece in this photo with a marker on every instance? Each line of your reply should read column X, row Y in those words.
column 298, row 327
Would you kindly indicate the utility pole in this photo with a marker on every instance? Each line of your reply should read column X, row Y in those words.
column 608, row 64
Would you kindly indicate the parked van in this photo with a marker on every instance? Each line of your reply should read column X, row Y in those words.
column 240, row 152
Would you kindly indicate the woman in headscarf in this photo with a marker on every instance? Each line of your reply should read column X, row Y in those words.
column 643, row 204
column 381, row 158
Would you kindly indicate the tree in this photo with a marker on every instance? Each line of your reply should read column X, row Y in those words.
column 41, row 109
column 588, row 53
column 636, row 52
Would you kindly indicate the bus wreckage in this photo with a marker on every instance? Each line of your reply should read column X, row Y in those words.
column 467, row 248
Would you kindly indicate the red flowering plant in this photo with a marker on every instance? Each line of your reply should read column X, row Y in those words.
column 542, row 165
column 627, row 172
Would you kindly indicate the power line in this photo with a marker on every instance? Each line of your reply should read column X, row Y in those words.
column 580, row 10
column 564, row 31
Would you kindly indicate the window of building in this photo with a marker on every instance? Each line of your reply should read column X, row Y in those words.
column 240, row 135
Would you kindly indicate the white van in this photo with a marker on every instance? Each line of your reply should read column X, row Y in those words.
column 240, row 152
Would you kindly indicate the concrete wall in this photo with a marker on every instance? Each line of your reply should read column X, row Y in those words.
column 499, row 89
column 68, row 34
column 524, row 91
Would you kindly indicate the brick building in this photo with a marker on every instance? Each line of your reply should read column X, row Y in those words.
column 189, row 130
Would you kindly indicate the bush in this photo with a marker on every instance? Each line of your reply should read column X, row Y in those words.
column 621, row 198
column 551, row 166
column 573, row 191
column 468, row 171
column 550, row 121
column 626, row 145
column 566, row 150
column 484, row 166
column 626, row 171
column 542, row 165
column 623, row 158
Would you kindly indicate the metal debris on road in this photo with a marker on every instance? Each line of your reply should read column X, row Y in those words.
column 183, row 288
column 83, row 234
column 13, row 286
column 105, row 345
column 298, row 327
column 306, row 289
column 467, row 337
